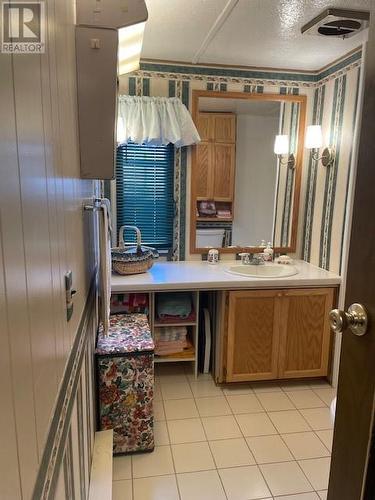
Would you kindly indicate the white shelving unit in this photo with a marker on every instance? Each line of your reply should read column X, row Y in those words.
column 193, row 330
column 193, row 327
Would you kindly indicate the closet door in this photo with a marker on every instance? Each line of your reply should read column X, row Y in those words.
column 252, row 327
column 224, row 127
column 203, row 172
column 205, row 126
column 224, row 171
column 305, row 332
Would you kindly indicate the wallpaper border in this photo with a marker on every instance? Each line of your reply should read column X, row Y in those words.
column 225, row 72
column 173, row 71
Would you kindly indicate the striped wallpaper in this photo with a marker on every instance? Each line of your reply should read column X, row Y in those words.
column 284, row 208
column 331, row 101
column 324, row 207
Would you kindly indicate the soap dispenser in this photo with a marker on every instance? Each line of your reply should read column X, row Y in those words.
column 268, row 253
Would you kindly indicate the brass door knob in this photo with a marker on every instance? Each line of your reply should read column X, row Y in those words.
column 355, row 319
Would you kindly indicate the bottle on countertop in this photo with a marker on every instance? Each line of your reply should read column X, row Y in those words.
column 213, row 256
column 268, row 253
column 263, row 244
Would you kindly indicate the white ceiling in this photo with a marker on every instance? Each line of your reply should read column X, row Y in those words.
column 262, row 33
column 239, row 106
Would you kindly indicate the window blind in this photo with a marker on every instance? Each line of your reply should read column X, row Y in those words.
column 144, row 192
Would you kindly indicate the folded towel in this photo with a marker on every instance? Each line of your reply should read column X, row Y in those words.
column 173, row 348
column 169, row 338
column 170, row 348
column 170, row 333
column 170, row 345
column 174, row 304
column 105, row 263
column 167, row 352
column 166, row 318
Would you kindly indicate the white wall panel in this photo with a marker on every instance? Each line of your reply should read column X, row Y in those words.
column 9, row 486
column 29, row 123
column 19, row 350
column 44, row 232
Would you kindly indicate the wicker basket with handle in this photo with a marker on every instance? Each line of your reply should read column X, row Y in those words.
column 132, row 259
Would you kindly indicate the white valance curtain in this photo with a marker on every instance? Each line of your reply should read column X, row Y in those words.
column 155, row 121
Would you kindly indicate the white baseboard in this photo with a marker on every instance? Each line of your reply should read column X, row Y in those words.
column 101, row 467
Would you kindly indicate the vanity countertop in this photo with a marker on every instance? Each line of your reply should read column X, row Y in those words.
column 198, row 275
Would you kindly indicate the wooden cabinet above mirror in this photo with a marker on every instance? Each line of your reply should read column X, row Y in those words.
column 240, row 192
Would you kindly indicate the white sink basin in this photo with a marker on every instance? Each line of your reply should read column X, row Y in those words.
column 264, row 271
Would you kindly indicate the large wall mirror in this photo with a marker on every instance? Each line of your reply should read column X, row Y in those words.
column 246, row 172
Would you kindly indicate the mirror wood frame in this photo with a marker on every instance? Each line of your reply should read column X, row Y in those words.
column 302, row 100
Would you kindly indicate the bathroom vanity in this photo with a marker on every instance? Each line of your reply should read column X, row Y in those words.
column 278, row 333
column 264, row 328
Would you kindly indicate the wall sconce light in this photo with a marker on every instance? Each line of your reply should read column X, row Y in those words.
column 314, row 141
column 281, row 148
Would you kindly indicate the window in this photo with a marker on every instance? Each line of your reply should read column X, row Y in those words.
column 144, row 192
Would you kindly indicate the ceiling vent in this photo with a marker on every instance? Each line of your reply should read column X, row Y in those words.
column 337, row 23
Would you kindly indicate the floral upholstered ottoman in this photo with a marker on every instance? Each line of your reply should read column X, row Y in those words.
column 125, row 380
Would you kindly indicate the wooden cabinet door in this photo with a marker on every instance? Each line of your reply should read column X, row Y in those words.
column 253, row 335
column 224, row 171
column 203, row 172
column 305, row 332
column 205, row 126
column 224, row 128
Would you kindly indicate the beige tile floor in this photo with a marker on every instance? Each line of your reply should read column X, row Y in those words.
column 260, row 441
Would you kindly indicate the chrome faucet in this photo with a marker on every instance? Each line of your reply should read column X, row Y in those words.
column 251, row 259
